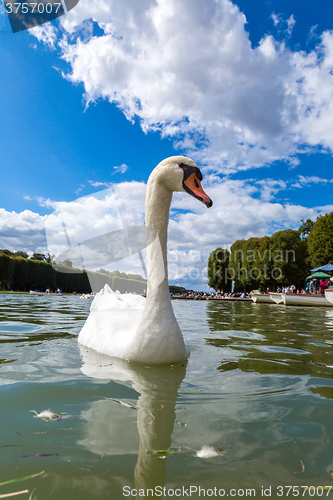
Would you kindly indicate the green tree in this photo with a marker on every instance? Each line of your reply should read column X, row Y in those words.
column 236, row 267
column 305, row 228
column 5, row 251
column 290, row 258
column 320, row 241
column 24, row 255
column 250, row 263
column 218, row 276
column 261, row 272
column 281, row 259
column 39, row 256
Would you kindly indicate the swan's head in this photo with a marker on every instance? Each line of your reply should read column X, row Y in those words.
column 179, row 173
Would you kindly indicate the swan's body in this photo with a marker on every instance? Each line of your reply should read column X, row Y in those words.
column 128, row 326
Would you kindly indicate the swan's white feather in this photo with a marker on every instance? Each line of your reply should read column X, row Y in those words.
column 112, row 322
column 207, row 452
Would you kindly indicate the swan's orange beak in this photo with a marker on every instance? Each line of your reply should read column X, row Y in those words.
column 193, row 186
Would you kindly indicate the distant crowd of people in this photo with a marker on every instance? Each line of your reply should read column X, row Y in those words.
column 206, row 295
column 313, row 286
column 317, row 286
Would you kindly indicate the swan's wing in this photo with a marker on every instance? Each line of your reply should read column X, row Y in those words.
column 112, row 322
column 115, row 301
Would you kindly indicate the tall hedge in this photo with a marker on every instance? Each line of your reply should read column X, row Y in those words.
column 20, row 274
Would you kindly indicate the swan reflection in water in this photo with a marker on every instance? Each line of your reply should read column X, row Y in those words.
column 107, row 432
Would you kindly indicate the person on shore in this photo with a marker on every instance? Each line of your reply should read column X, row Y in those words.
column 315, row 286
column 322, row 287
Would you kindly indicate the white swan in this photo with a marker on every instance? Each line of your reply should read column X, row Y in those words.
column 128, row 326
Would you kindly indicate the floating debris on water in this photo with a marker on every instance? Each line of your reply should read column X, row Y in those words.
column 133, row 407
column 125, row 403
column 24, row 478
column 38, row 455
column 14, row 494
column 47, row 415
column 303, row 468
column 163, row 453
column 17, row 480
column 209, row 452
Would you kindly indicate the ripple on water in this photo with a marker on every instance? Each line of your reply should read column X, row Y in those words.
column 239, row 334
column 18, row 327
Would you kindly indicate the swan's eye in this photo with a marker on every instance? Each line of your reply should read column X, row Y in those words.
column 196, row 183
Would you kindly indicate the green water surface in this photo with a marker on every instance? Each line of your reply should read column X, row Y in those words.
column 257, row 386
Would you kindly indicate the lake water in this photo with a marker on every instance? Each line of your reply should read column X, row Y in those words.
column 257, row 386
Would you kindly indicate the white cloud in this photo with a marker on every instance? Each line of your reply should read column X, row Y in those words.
column 22, row 231
column 303, row 181
column 290, row 23
column 275, row 18
column 287, row 25
column 120, row 169
column 45, row 33
column 270, row 187
column 79, row 189
column 312, row 179
column 187, row 68
column 311, row 88
column 100, row 184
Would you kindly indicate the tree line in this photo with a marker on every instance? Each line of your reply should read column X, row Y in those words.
column 282, row 259
column 20, row 273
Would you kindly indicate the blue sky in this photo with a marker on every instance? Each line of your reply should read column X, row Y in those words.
column 101, row 95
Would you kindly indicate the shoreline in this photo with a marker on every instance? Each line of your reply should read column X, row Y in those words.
column 219, row 299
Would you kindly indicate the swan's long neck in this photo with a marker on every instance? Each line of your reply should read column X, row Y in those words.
column 158, row 200
column 158, row 337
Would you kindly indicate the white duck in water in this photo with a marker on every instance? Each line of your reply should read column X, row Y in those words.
column 129, row 326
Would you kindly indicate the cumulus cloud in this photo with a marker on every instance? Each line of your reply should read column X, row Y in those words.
column 22, row 231
column 310, row 85
column 187, row 68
